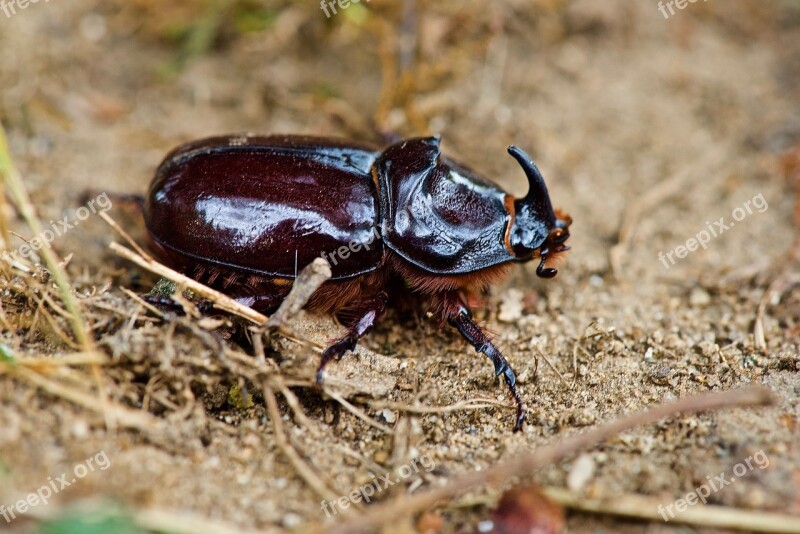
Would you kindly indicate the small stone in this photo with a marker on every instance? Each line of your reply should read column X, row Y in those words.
column 80, row 429
column 511, row 306
column 291, row 520
column 699, row 297
column 581, row 473
column 389, row 415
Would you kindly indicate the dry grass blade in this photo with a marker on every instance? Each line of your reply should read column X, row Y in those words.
column 708, row 515
column 528, row 462
column 303, row 469
column 19, row 194
column 123, row 416
column 553, row 367
column 151, row 519
column 42, row 363
column 156, row 520
column 80, row 329
column 220, row 300
column 470, row 404
column 117, row 228
column 653, row 198
column 773, row 292
column 358, row 413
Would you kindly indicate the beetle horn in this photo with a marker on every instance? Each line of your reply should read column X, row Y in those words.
column 537, row 200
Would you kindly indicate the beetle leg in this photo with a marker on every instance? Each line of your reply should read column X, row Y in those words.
column 165, row 303
column 370, row 312
column 204, row 306
column 458, row 315
column 266, row 303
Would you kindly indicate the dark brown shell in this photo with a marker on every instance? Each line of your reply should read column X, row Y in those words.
column 267, row 205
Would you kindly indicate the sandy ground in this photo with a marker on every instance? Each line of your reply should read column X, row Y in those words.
column 648, row 130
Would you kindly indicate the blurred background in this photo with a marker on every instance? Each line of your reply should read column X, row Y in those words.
column 649, row 121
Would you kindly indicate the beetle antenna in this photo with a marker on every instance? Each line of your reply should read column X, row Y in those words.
column 537, row 198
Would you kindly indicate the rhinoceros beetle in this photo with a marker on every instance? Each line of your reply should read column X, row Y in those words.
column 244, row 213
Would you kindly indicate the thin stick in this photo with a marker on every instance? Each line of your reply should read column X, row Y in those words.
column 124, row 416
column 305, row 472
column 60, row 360
column 527, row 462
column 294, row 403
column 553, row 367
column 707, row 515
column 220, row 300
column 358, row 413
column 117, row 228
column 654, row 197
column 470, row 404
column 262, row 364
column 311, row 278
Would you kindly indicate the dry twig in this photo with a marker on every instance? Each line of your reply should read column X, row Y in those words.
column 528, row 462
column 655, row 196
column 303, row 469
column 220, row 300
column 124, row 416
column 469, row 404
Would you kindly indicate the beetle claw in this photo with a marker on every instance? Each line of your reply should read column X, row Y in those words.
column 337, row 351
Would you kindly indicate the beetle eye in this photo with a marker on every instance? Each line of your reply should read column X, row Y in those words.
column 558, row 237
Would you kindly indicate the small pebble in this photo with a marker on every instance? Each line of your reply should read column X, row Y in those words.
column 292, row 520
column 699, row 297
column 510, row 306
column 581, row 473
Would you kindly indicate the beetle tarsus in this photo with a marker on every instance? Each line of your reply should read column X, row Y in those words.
column 164, row 304
column 335, row 351
column 511, row 382
column 458, row 315
column 369, row 313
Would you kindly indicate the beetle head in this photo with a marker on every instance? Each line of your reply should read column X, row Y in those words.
column 536, row 230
